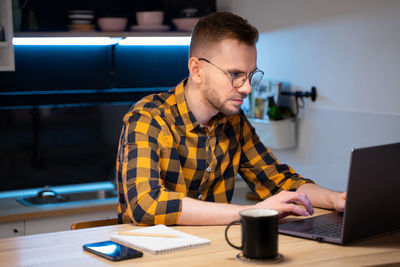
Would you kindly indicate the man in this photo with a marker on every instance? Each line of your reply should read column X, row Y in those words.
column 180, row 151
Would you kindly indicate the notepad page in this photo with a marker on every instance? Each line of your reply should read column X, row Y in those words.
column 156, row 245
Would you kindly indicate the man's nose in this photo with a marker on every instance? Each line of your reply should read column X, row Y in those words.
column 245, row 88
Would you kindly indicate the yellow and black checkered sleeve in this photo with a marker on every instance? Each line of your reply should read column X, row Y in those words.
column 261, row 170
column 148, row 202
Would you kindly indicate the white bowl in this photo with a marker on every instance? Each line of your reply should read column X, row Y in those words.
column 185, row 24
column 150, row 17
column 81, row 16
column 112, row 24
column 83, row 21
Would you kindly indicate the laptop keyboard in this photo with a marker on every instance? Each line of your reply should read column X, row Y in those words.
column 329, row 230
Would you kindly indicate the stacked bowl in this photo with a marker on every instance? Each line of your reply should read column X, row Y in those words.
column 150, row 21
column 188, row 21
column 112, row 24
column 81, row 20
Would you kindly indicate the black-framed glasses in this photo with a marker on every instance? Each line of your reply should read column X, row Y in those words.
column 239, row 78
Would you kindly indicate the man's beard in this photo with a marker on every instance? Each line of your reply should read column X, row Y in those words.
column 221, row 105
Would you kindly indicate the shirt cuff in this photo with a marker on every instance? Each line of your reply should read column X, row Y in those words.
column 168, row 208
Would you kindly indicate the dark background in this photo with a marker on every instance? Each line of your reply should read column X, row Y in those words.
column 52, row 14
column 77, row 134
column 73, row 138
column 46, row 68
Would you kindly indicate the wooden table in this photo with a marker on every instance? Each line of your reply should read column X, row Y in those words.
column 65, row 249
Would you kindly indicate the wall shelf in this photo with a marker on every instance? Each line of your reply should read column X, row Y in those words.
column 75, row 98
column 103, row 34
column 279, row 134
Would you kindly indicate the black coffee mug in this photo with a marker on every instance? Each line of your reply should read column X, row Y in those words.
column 259, row 233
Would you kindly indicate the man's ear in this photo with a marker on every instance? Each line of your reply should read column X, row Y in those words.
column 194, row 69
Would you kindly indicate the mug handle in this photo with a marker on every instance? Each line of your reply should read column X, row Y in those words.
column 226, row 235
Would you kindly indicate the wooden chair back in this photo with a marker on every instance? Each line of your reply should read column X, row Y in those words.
column 94, row 223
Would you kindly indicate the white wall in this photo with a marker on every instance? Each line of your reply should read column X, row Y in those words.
column 348, row 49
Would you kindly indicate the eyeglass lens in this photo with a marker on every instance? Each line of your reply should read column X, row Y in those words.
column 256, row 77
column 240, row 79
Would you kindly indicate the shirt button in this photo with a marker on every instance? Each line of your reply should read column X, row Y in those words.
column 200, row 197
column 209, row 169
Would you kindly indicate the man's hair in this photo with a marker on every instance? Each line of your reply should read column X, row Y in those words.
column 218, row 26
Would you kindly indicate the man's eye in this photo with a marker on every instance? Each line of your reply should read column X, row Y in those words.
column 238, row 75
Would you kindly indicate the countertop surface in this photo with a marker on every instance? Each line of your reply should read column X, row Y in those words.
column 65, row 249
column 12, row 210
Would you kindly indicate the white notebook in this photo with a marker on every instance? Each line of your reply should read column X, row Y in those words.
column 157, row 245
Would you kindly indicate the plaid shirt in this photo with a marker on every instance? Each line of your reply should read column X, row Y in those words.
column 165, row 154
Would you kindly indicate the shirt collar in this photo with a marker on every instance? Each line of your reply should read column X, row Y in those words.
column 187, row 116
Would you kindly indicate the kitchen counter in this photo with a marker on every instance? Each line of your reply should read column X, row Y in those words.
column 11, row 210
column 17, row 219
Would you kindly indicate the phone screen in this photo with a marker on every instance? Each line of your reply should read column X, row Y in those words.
column 112, row 251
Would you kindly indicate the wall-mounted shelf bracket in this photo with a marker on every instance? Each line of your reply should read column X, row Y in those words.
column 300, row 95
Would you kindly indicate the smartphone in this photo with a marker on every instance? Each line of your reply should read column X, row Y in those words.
column 112, row 251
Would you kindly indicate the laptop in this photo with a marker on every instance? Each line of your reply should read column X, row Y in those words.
column 372, row 205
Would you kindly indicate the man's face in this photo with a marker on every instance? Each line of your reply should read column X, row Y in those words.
column 217, row 88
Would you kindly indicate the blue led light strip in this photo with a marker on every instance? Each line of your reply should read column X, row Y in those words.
column 136, row 41
column 65, row 40
column 165, row 40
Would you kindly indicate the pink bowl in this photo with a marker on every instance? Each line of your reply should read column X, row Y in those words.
column 185, row 24
column 112, row 24
column 150, row 17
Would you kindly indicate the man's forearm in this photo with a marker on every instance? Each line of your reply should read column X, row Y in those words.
column 319, row 197
column 197, row 212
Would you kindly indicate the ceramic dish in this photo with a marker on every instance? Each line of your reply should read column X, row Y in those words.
column 150, row 17
column 112, row 24
column 81, row 16
column 185, row 24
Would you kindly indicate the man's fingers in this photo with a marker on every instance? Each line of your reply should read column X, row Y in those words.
column 298, row 197
column 285, row 201
column 293, row 209
column 340, row 202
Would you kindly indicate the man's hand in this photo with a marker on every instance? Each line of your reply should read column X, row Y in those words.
column 339, row 202
column 284, row 203
column 324, row 198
